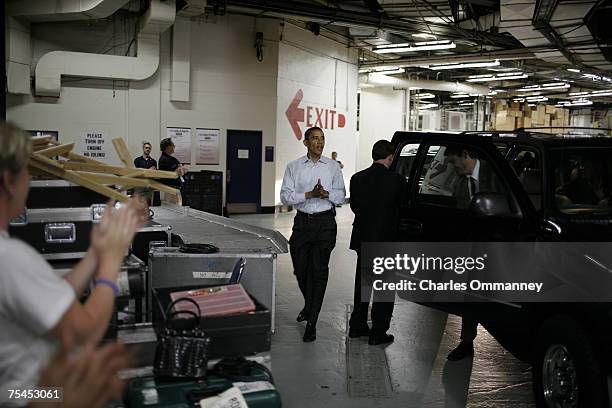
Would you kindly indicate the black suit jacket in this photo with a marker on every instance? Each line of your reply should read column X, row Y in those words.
column 375, row 200
column 487, row 182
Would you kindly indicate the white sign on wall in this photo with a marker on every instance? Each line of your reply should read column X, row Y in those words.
column 95, row 144
column 207, row 143
column 182, row 142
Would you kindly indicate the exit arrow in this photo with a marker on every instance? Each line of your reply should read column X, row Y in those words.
column 295, row 114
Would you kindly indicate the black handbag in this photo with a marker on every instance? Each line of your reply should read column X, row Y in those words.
column 181, row 345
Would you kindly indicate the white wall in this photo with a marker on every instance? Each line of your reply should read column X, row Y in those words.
column 326, row 73
column 230, row 89
column 380, row 115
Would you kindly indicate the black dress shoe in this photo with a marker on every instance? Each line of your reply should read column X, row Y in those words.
column 377, row 339
column 310, row 334
column 358, row 332
column 301, row 316
column 464, row 349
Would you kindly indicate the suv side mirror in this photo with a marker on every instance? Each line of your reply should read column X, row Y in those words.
column 485, row 205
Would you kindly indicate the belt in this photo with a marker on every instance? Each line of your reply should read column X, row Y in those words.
column 314, row 215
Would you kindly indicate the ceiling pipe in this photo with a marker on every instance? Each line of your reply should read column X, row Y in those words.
column 62, row 10
column 373, row 80
column 348, row 18
column 51, row 66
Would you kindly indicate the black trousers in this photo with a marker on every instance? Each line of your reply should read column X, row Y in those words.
column 381, row 310
column 311, row 243
column 469, row 327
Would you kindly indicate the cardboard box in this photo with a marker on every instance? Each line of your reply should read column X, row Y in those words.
column 550, row 109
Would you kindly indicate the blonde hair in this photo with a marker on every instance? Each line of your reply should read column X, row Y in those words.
column 15, row 148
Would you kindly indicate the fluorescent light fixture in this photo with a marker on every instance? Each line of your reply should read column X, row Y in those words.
column 466, row 104
column 544, row 87
column 425, row 96
column 428, row 106
column 531, row 104
column 463, row 65
column 419, row 46
column 601, row 92
column 498, row 77
column 460, row 95
column 537, row 98
column 573, row 70
column 580, row 102
column 390, row 71
column 425, row 36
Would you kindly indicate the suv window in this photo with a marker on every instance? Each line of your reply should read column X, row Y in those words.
column 526, row 164
column 454, row 175
column 583, row 179
column 406, row 159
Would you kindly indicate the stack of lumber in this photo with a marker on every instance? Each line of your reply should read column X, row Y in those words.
column 520, row 115
column 50, row 159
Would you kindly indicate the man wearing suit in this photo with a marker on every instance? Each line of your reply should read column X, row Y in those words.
column 375, row 199
column 474, row 176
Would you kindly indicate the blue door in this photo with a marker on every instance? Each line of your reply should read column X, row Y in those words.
column 243, row 171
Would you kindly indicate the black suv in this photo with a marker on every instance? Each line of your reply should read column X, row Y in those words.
column 546, row 188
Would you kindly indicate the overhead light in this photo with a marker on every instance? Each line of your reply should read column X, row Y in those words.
column 601, row 92
column 466, row 104
column 425, row 36
column 419, row 46
column 537, row 99
column 498, row 77
column 428, row 106
column 544, row 87
column 389, row 71
column 581, row 102
column 425, row 96
column 573, row 70
column 460, row 95
column 463, row 65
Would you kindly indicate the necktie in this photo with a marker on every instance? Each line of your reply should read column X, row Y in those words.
column 472, row 187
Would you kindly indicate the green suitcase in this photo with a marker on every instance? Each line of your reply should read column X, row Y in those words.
column 148, row 392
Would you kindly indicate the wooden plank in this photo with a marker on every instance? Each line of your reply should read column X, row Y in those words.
column 137, row 173
column 123, row 152
column 79, row 179
column 118, row 180
column 121, row 171
column 56, row 150
column 45, row 160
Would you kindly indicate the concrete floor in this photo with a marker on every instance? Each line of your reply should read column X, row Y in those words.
column 315, row 374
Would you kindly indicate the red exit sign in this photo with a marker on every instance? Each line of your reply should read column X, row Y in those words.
column 312, row 116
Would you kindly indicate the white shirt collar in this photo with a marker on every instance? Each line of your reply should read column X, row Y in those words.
column 322, row 159
column 476, row 172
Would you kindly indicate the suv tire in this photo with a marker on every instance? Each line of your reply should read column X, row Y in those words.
column 566, row 370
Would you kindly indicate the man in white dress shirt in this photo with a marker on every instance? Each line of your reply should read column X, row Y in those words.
column 314, row 185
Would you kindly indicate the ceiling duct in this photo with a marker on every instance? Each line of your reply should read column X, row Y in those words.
column 53, row 65
column 381, row 80
column 62, row 10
